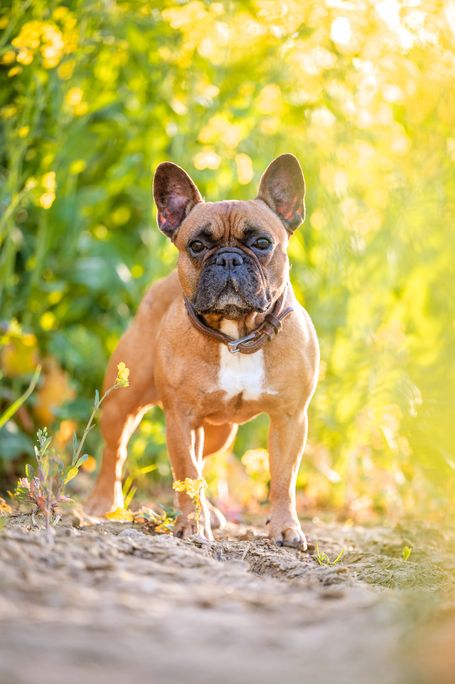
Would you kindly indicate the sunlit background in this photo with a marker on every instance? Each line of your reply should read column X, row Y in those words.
column 94, row 94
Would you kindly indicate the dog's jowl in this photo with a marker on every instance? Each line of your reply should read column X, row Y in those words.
column 218, row 341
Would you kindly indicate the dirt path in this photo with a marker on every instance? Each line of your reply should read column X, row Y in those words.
column 113, row 603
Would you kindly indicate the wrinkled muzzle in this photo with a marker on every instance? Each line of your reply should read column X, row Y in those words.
column 231, row 283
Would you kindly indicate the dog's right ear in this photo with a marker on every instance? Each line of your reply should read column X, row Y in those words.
column 175, row 195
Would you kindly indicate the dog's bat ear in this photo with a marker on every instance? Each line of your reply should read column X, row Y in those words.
column 175, row 195
column 283, row 189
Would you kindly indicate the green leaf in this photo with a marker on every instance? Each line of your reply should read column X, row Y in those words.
column 13, row 443
column 75, row 445
column 29, row 471
column 406, row 552
column 15, row 406
column 71, row 474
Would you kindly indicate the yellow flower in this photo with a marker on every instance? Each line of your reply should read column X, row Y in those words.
column 52, row 46
column 47, row 39
column 77, row 166
column 29, row 35
column 46, row 200
column 73, row 96
column 60, row 13
column 31, row 183
column 48, row 320
column 47, row 185
column 25, row 56
column 244, row 166
column 65, row 70
column 14, row 71
column 123, row 373
column 191, row 487
column 48, row 181
column 8, row 111
column 9, row 57
column 74, row 100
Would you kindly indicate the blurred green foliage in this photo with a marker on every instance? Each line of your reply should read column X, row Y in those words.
column 95, row 94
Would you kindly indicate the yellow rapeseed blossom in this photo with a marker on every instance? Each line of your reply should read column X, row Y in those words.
column 74, row 101
column 25, row 56
column 31, row 183
column 8, row 111
column 192, row 488
column 123, row 373
column 23, row 131
column 206, row 159
column 65, row 70
column 48, row 184
column 46, row 200
column 29, row 36
column 52, row 46
column 47, row 39
column 60, row 13
column 14, row 71
column 244, row 166
column 9, row 57
column 48, row 181
column 48, row 321
column 78, row 165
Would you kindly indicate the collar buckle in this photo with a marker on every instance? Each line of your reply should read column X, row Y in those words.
column 235, row 344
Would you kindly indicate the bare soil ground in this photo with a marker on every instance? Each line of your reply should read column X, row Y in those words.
column 115, row 603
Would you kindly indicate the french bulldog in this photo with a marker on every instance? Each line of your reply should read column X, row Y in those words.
column 217, row 342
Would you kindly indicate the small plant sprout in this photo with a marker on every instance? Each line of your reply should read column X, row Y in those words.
column 194, row 489
column 161, row 523
column 45, row 489
column 406, row 552
column 323, row 559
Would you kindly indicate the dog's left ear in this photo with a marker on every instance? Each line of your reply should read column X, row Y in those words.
column 283, row 189
column 175, row 195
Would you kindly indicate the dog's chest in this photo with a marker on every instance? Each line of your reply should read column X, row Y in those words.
column 240, row 373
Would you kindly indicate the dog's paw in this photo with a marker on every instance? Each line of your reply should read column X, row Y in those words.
column 104, row 500
column 288, row 533
column 99, row 506
column 217, row 519
column 100, row 503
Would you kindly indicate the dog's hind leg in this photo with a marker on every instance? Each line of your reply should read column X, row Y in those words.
column 122, row 411
column 217, row 438
column 116, row 428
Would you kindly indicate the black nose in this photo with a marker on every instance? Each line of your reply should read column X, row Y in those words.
column 228, row 260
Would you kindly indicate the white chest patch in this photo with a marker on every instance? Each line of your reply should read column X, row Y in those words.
column 240, row 373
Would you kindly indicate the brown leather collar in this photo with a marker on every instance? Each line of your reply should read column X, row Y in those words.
column 255, row 340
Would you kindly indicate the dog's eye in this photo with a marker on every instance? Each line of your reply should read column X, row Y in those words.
column 262, row 243
column 196, row 247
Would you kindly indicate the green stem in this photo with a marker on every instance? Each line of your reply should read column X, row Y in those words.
column 9, row 413
column 90, row 421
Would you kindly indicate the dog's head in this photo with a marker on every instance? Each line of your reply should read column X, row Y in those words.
column 233, row 259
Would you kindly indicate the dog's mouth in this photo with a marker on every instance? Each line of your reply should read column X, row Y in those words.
column 231, row 284
column 231, row 304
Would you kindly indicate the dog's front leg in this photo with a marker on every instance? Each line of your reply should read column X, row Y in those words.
column 286, row 444
column 185, row 446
